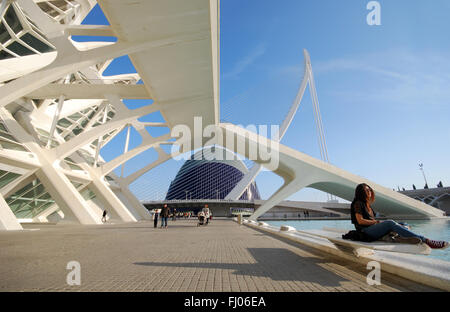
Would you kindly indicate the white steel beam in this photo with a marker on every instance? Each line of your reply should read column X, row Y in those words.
column 8, row 220
column 89, row 91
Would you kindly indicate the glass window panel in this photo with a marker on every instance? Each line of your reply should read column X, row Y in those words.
column 12, row 146
column 77, row 130
column 9, row 177
column 19, row 49
column 75, row 116
column 14, row 197
column 36, row 43
column 22, row 212
column 17, row 205
column 5, row 55
column 76, row 184
column 74, row 167
column 40, row 209
column 2, row 127
column 70, row 135
column 64, row 123
column 7, row 136
column 61, row 4
column 48, row 9
column 45, row 196
column 84, row 122
column 43, row 132
column 108, row 178
column 30, row 21
column 87, row 194
column 12, row 20
column 38, row 31
column 4, row 35
column 35, row 192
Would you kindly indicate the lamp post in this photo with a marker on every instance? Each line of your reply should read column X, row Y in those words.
column 423, row 173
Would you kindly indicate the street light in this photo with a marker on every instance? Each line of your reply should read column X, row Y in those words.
column 423, row 173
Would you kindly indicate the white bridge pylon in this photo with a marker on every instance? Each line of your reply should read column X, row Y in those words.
column 308, row 77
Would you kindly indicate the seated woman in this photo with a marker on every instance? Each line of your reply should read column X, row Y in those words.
column 363, row 217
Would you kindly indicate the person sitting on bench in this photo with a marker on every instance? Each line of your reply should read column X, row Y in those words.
column 363, row 217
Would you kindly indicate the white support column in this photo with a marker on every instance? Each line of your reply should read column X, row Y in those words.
column 66, row 196
column 8, row 220
column 100, row 138
column 106, row 195
column 125, row 150
column 131, row 199
column 72, row 145
column 145, row 145
column 286, row 190
column 42, row 217
column 54, row 180
column 55, row 120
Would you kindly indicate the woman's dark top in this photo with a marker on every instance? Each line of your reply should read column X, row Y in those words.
column 363, row 209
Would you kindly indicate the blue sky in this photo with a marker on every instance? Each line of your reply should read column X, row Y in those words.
column 383, row 90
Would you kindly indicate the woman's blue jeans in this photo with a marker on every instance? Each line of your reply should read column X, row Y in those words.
column 163, row 221
column 377, row 231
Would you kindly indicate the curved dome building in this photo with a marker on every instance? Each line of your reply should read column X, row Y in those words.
column 201, row 178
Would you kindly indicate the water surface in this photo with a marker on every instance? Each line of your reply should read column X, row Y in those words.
column 438, row 229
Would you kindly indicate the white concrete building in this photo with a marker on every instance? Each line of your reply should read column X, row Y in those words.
column 57, row 109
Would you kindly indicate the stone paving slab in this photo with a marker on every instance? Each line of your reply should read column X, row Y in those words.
column 223, row 256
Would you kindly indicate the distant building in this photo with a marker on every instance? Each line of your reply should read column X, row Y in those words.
column 438, row 197
column 201, row 178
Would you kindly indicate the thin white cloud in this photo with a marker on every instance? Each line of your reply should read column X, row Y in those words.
column 408, row 78
column 246, row 61
column 357, row 65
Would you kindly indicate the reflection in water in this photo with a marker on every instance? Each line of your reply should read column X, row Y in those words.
column 438, row 229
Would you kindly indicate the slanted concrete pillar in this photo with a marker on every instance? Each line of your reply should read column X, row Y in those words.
column 8, row 220
column 66, row 196
column 107, row 196
column 289, row 187
column 42, row 217
column 55, row 182
column 134, row 202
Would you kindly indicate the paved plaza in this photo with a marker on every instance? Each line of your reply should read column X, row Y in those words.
column 223, row 256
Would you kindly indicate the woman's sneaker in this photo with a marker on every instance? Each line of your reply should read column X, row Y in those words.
column 436, row 244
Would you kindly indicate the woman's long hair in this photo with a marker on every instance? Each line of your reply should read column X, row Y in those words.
column 360, row 194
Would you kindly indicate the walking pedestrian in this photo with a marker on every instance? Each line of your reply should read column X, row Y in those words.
column 206, row 212
column 104, row 216
column 155, row 218
column 164, row 216
column 174, row 214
